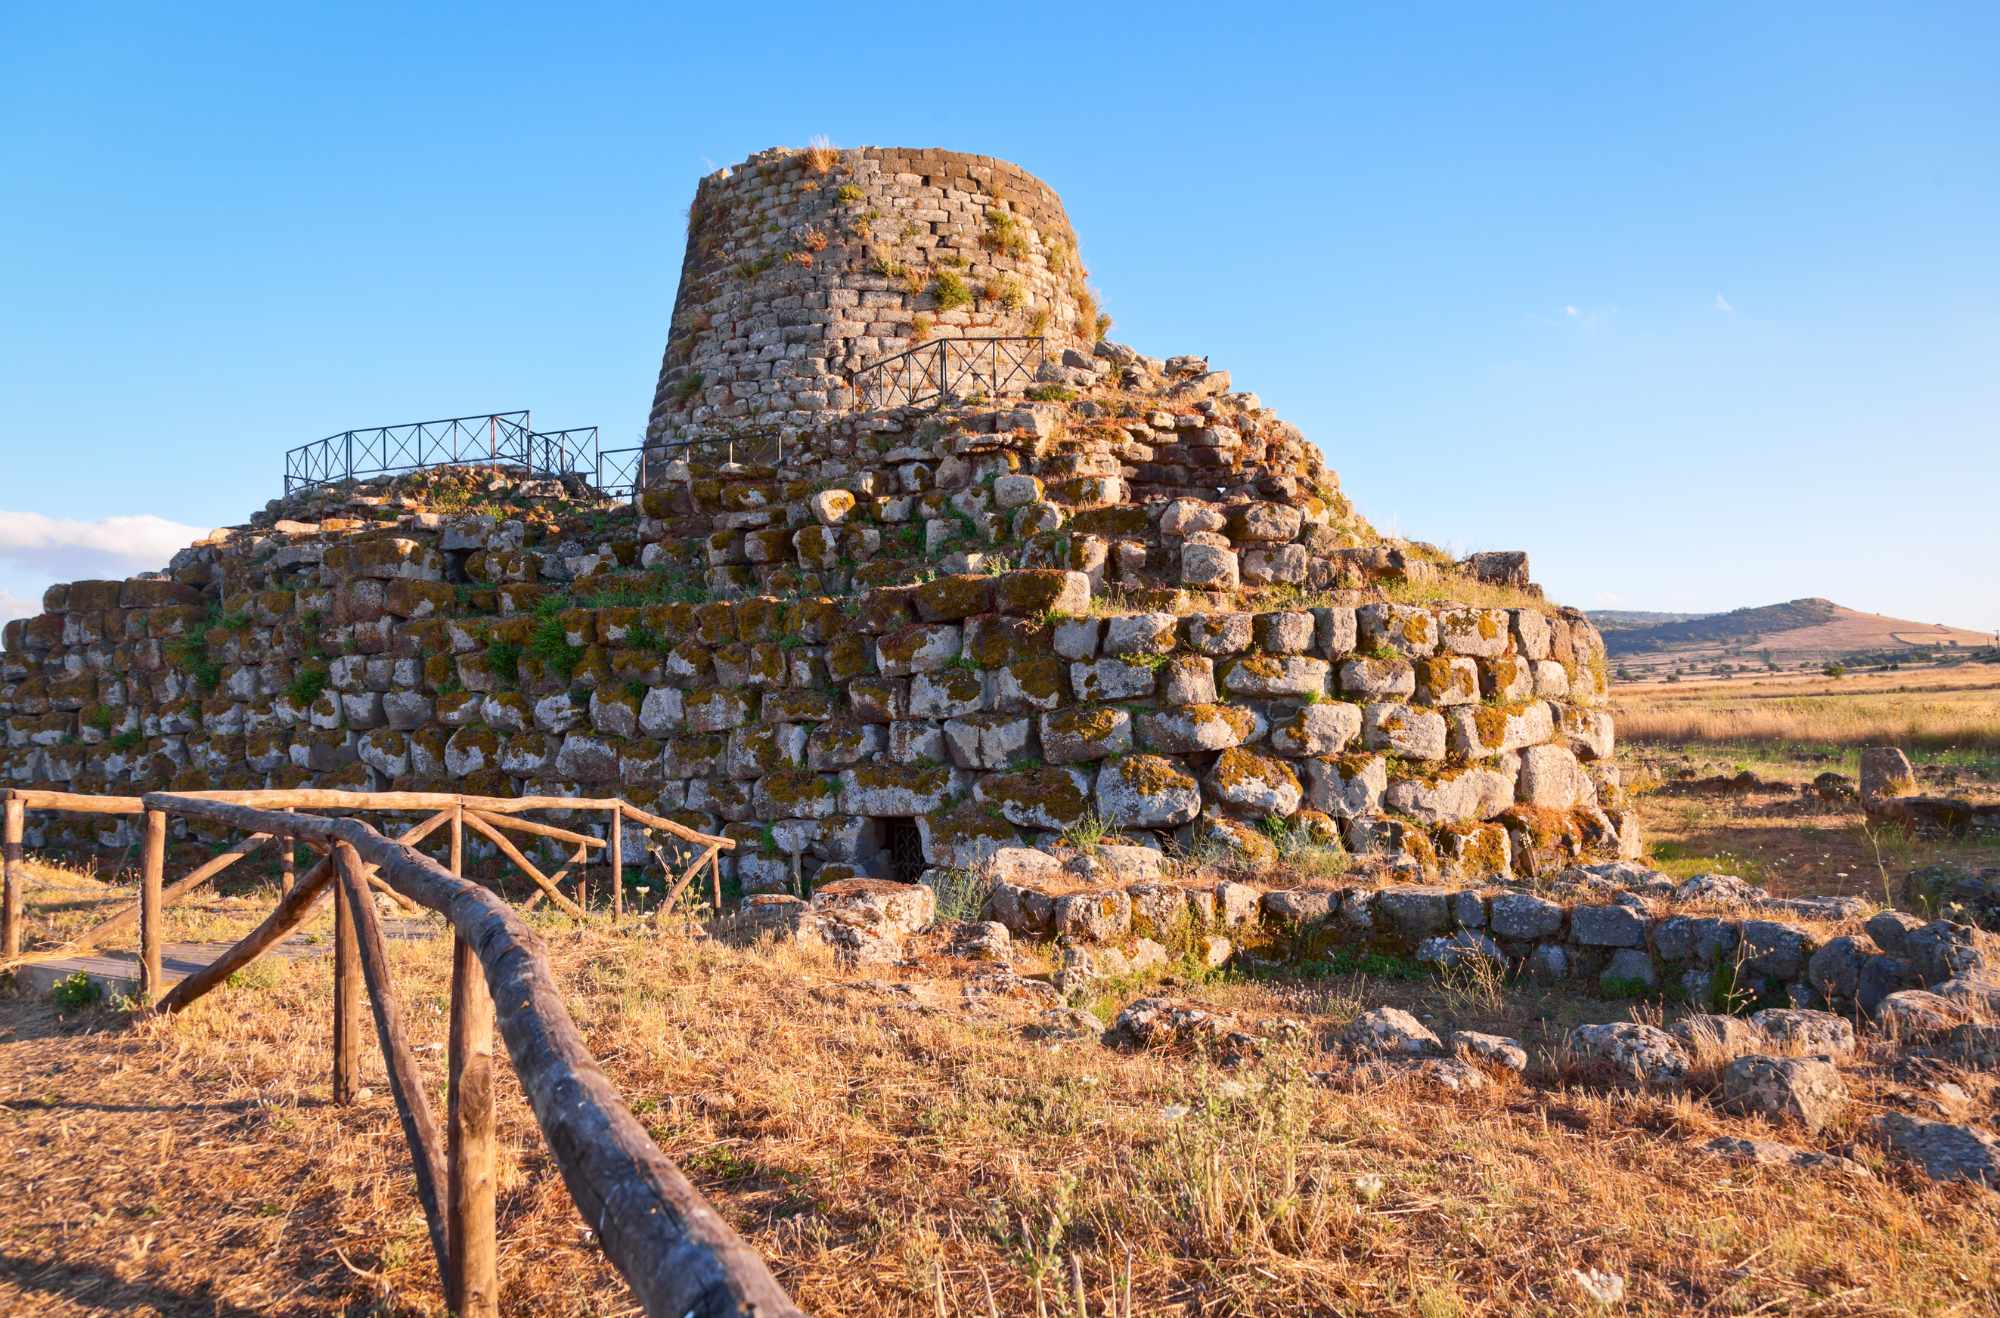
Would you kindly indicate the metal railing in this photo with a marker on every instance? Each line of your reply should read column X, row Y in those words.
column 506, row 439
column 945, row 370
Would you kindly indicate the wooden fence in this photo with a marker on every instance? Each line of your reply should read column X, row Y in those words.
column 677, row 1253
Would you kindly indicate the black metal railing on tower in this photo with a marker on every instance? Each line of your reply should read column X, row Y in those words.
column 946, row 370
column 503, row 439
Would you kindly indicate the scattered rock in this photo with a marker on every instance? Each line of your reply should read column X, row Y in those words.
column 1492, row 1049
column 1165, row 1023
column 1065, row 1023
column 1464, row 948
column 1771, row 1153
column 1389, row 1032
column 1945, row 1152
column 1807, row 1091
column 982, row 940
column 1709, row 1035
column 1627, row 1053
column 1914, row 1013
column 1806, row 1031
column 1448, row 1074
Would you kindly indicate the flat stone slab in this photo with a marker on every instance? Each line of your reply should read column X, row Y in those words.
column 117, row 971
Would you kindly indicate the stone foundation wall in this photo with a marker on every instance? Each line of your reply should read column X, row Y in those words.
column 803, row 266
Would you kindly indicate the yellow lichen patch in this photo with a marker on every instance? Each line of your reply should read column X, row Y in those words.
column 1152, row 775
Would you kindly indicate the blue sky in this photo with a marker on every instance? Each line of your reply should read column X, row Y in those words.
column 1698, row 304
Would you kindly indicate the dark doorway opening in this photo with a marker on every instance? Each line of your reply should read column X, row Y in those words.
column 902, row 850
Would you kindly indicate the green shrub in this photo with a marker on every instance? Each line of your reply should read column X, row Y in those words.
column 950, row 292
column 307, row 684
column 74, row 992
column 129, row 740
column 503, row 660
column 1051, row 393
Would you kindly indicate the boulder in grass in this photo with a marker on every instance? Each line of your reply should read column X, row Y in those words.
column 1806, row 1091
column 1388, row 1032
column 1628, row 1054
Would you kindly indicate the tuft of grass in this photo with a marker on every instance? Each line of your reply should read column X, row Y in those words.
column 306, row 686
column 820, row 155
column 950, row 291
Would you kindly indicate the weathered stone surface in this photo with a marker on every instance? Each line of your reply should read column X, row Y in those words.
column 1625, row 1053
column 1412, row 913
column 1716, row 1037
column 1389, row 1032
column 1804, row 1031
column 1346, row 788
column 1255, row 783
column 1552, row 778
column 1607, row 926
column 1492, row 1049
column 1049, row 797
column 1094, row 917
column 878, row 791
column 1943, row 1151
column 1771, row 1153
column 1191, row 729
column 1272, row 675
column 1169, row 1024
column 1806, row 1091
column 1089, row 732
column 1377, row 679
column 1322, row 729
column 1417, row 734
column 1524, row 917
column 1146, row 791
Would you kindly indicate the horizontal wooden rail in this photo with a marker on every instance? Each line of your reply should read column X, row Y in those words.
column 73, row 803
column 487, row 815
column 677, row 1253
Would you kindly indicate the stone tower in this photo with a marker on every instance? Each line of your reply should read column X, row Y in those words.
column 804, row 265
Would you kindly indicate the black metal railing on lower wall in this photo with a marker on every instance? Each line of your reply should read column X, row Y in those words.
column 945, row 370
column 503, row 439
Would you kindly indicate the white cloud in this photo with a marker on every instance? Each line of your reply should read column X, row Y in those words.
column 1572, row 312
column 1722, row 305
column 63, row 549
column 12, row 606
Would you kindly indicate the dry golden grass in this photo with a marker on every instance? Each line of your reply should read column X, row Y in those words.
column 892, row 1148
column 1939, row 710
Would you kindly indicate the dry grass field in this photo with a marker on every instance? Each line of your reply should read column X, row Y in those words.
column 896, row 1142
column 1940, row 716
column 902, row 1141
column 1787, row 730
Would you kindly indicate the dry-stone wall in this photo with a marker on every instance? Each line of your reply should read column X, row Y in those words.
column 803, row 266
column 1135, row 599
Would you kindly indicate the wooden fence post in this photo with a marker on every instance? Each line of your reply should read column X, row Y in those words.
column 615, row 854
column 15, row 877
column 473, row 1289
column 288, row 867
column 346, row 996
column 152, row 868
column 420, row 1130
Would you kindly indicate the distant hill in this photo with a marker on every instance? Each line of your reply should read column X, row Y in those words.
column 1625, row 620
column 1801, row 631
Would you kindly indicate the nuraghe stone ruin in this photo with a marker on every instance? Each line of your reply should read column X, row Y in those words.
column 1118, row 594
